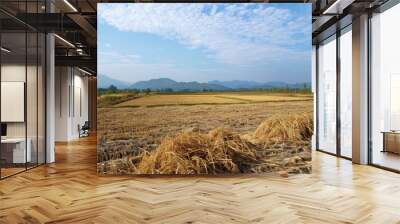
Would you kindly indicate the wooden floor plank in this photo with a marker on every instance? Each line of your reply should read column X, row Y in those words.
column 70, row 191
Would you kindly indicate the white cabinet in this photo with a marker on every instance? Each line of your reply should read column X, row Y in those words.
column 19, row 155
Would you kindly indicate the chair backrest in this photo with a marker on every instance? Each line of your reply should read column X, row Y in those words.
column 87, row 124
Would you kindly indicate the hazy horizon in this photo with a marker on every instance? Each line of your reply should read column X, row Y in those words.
column 241, row 80
column 256, row 42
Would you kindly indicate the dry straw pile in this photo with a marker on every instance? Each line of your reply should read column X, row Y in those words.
column 222, row 151
column 219, row 151
column 295, row 127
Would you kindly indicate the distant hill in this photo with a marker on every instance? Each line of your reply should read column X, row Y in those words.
column 238, row 84
column 104, row 81
column 162, row 83
column 300, row 85
column 165, row 83
column 275, row 85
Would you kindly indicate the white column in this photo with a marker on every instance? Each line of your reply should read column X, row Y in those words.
column 50, row 99
column 360, row 90
column 314, row 91
column 62, row 103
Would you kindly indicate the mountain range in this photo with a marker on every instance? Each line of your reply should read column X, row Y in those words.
column 165, row 83
column 215, row 85
column 104, row 81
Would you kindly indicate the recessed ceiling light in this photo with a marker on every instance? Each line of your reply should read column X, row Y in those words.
column 5, row 50
column 84, row 71
column 70, row 5
column 64, row 40
column 338, row 6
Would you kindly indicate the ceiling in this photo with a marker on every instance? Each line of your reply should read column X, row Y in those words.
column 75, row 22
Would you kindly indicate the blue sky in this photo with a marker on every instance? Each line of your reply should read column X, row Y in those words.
column 203, row 42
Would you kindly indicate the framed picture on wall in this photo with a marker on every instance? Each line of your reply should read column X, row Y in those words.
column 204, row 89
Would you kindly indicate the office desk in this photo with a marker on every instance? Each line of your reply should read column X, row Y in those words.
column 391, row 141
column 13, row 150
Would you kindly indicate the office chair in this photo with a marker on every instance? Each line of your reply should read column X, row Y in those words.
column 84, row 130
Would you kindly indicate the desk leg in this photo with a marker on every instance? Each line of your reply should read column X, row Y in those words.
column 384, row 143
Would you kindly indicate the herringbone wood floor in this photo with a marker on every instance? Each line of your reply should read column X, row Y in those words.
column 70, row 191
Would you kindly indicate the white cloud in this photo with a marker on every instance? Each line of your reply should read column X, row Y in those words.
column 128, row 67
column 108, row 57
column 240, row 34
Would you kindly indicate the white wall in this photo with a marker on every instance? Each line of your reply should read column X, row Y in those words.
column 71, row 102
column 62, row 82
column 80, row 109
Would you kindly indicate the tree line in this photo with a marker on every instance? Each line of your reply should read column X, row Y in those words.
column 113, row 89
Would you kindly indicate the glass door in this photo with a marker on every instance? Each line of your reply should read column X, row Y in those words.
column 385, row 89
column 22, row 78
column 327, row 95
column 346, row 92
column 14, row 155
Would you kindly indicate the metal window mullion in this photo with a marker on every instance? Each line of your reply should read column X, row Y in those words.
column 26, row 87
column 0, row 93
column 60, row 92
column 45, row 95
column 317, row 97
column 69, row 93
column 37, row 91
column 369, row 90
column 338, row 98
column 73, row 92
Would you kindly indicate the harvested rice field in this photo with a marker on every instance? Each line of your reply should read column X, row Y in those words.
column 211, row 98
column 206, row 134
column 187, row 99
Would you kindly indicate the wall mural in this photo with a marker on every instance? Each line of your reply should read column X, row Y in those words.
column 194, row 89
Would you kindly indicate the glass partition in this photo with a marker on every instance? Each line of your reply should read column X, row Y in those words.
column 13, row 109
column 385, row 89
column 41, row 97
column 31, row 99
column 22, row 88
column 327, row 95
column 346, row 93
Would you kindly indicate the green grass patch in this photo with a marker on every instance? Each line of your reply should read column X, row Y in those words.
column 109, row 100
